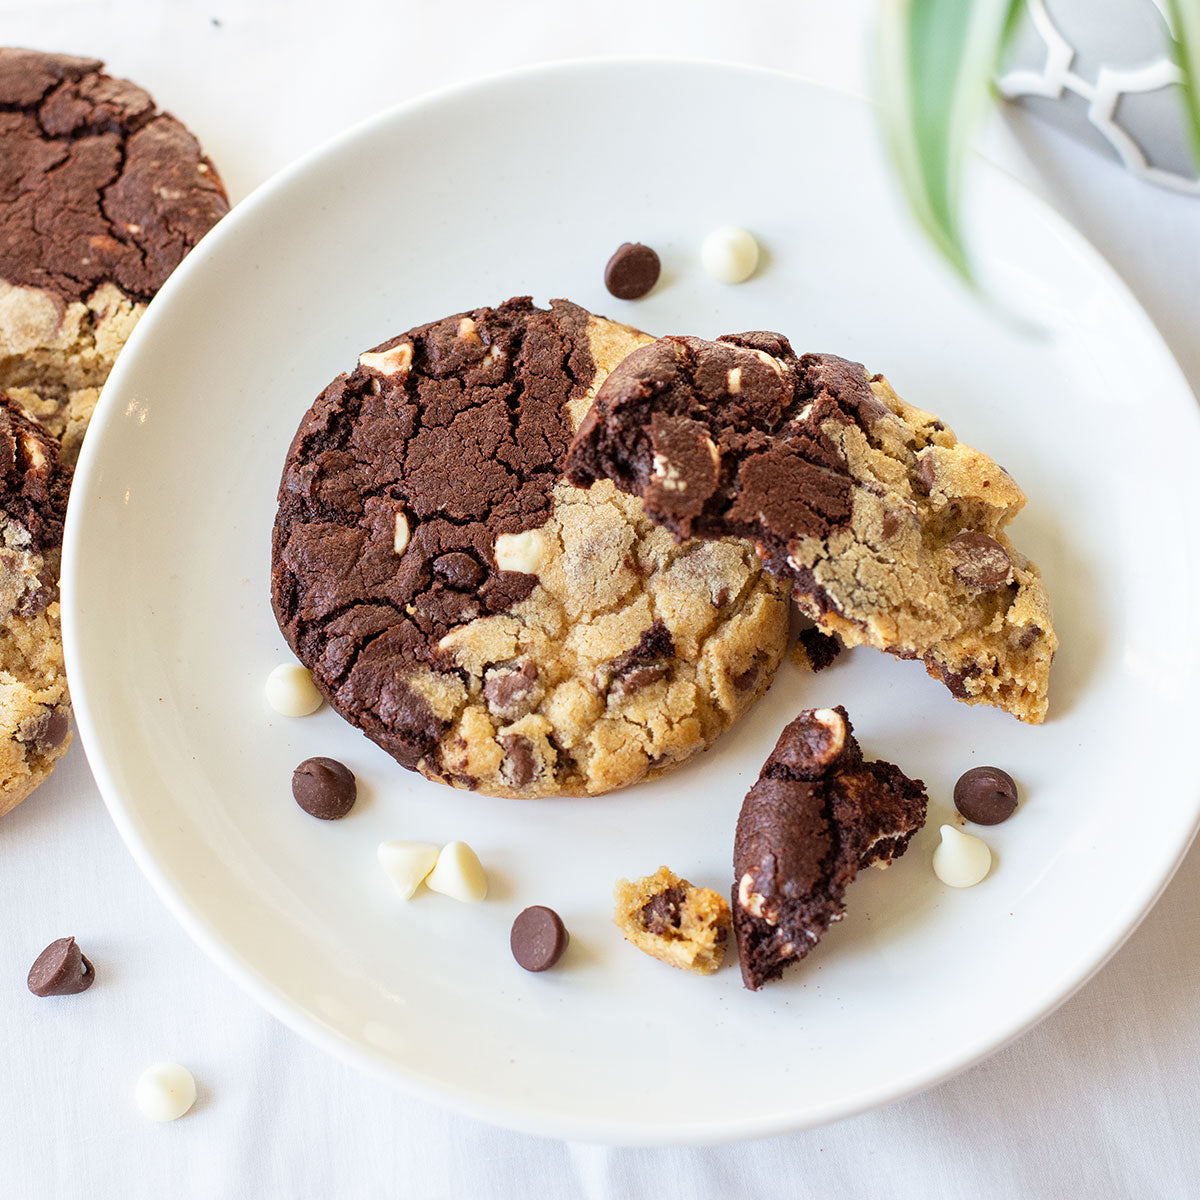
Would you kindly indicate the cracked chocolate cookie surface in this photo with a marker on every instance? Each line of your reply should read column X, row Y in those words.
column 890, row 532
column 817, row 815
column 34, row 704
column 101, row 196
column 487, row 623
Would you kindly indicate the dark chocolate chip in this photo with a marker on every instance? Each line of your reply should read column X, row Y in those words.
column 324, row 788
column 890, row 525
column 746, row 679
column 986, row 795
column 51, row 730
column 632, row 271
column 505, row 690
column 980, row 561
column 661, row 915
column 538, row 938
column 457, row 569
column 1029, row 635
column 61, row 970
column 520, row 766
column 924, row 476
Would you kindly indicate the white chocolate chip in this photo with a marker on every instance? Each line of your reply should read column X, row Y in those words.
column 402, row 534
column 733, row 380
column 521, row 551
column 668, row 475
column 407, row 864
column 458, row 874
column 729, row 254
column 165, row 1091
column 291, row 692
column 33, row 450
column 750, row 900
column 770, row 360
column 395, row 361
column 468, row 332
column 961, row 859
column 832, row 720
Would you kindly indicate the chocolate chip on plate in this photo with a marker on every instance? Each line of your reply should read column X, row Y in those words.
column 632, row 271
column 538, row 938
column 61, row 970
column 986, row 795
column 324, row 788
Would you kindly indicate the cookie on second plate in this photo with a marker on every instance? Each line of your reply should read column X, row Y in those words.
column 34, row 704
column 481, row 619
column 101, row 196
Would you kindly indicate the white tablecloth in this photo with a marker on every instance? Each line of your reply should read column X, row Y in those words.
column 1101, row 1100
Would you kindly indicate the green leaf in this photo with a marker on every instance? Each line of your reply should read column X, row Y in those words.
column 1185, row 21
column 936, row 61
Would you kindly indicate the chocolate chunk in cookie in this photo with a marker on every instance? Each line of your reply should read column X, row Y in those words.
column 101, row 196
column 889, row 531
column 34, row 703
column 488, row 624
column 817, row 815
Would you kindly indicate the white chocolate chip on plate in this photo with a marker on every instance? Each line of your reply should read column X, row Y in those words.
column 458, row 874
column 291, row 692
column 961, row 859
column 729, row 254
column 407, row 864
column 165, row 1091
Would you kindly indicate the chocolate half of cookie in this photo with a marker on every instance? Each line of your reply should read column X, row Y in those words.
column 487, row 623
column 34, row 703
column 816, row 816
column 889, row 531
column 101, row 196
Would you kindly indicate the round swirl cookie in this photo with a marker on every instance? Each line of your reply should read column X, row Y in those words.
column 101, row 196
column 487, row 623
column 34, row 704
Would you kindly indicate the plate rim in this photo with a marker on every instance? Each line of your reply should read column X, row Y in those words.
column 516, row 1113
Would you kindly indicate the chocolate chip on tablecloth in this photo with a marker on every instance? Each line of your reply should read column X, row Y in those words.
column 61, row 970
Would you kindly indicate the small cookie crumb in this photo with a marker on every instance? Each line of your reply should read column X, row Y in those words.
column 961, row 860
column 291, row 692
column 632, row 271
column 458, row 874
column 538, row 938
column 671, row 920
column 729, row 254
column 165, row 1092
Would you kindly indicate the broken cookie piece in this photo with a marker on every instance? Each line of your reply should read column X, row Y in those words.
column 817, row 815
column 890, row 532
column 669, row 919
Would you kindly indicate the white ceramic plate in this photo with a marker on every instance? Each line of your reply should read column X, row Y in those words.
column 525, row 185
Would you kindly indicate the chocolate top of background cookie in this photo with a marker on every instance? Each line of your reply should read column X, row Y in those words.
column 724, row 438
column 397, row 484
column 96, row 184
column 33, row 483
